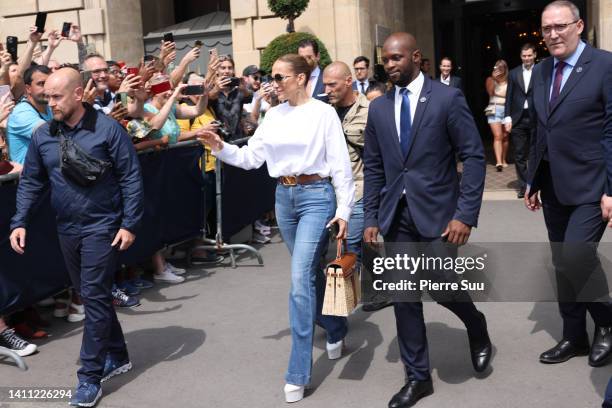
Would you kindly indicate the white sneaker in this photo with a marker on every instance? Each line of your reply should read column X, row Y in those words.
column 334, row 350
column 293, row 393
column 61, row 308
column 13, row 342
column 261, row 228
column 168, row 276
column 260, row 239
column 174, row 269
column 76, row 313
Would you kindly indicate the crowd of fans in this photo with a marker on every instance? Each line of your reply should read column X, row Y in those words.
column 160, row 102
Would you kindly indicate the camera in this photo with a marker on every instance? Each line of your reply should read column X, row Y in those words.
column 222, row 129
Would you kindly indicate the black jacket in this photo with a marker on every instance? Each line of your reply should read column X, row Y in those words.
column 516, row 94
column 115, row 201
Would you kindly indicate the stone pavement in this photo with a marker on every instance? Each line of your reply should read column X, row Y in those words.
column 221, row 339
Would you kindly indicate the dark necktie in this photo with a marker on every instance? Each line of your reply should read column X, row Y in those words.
column 557, row 83
column 405, row 121
column 362, row 88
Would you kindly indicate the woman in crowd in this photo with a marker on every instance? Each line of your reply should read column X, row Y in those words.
column 496, row 86
column 162, row 113
column 227, row 98
column 302, row 143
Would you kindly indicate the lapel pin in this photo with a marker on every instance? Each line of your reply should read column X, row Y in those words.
column 423, row 99
column 579, row 69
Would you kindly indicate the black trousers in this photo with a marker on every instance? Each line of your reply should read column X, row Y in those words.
column 521, row 139
column 91, row 263
column 574, row 226
column 411, row 332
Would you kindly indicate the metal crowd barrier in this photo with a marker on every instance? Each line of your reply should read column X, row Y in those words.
column 217, row 244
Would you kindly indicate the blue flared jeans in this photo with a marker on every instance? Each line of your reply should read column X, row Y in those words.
column 302, row 213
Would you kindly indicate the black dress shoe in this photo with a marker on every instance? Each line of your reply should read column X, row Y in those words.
column 481, row 348
column 520, row 194
column 410, row 393
column 563, row 351
column 602, row 346
column 372, row 307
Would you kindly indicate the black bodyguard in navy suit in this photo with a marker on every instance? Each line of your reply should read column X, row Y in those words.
column 571, row 167
column 434, row 202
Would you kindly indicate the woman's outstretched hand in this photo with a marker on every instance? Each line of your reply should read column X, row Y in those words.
column 211, row 139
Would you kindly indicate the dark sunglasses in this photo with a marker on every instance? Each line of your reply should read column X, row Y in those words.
column 278, row 78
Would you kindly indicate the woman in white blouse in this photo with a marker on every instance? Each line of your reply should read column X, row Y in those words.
column 302, row 143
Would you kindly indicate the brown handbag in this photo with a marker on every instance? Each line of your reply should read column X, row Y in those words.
column 342, row 288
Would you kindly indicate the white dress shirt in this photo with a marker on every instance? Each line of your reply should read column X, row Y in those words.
column 312, row 81
column 445, row 81
column 414, row 91
column 303, row 139
column 526, row 79
column 366, row 84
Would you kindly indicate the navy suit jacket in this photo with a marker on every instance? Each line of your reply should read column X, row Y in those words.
column 443, row 125
column 576, row 130
column 320, row 88
column 516, row 94
column 356, row 84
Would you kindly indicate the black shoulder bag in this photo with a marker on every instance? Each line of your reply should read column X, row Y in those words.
column 77, row 165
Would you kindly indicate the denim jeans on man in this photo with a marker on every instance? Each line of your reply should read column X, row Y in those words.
column 355, row 229
column 302, row 213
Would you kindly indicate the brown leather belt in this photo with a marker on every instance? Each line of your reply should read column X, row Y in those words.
column 301, row 179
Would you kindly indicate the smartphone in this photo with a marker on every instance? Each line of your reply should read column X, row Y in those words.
column 66, row 30
column 133, row 70
column 41, row 19
column 11, row 47
column 198, row 44
column 85, row 76
column 168, row 37
column 122, row 97
column 333, row 230
column 193, row 90
column 234, row 82
column 149, row 57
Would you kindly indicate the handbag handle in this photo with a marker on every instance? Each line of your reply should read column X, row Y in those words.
column 341, row 243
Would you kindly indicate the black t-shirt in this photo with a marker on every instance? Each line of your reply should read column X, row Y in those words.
column 343, row 110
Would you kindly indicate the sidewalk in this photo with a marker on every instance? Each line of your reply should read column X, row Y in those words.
column 221, row 339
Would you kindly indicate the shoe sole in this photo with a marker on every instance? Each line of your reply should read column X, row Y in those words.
column 564, row 360
column 89, row 404
column 75, row 318
column 600, row 363
column 59, row 313
column 118, row 371
column 28, row 350
column 169, row 281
